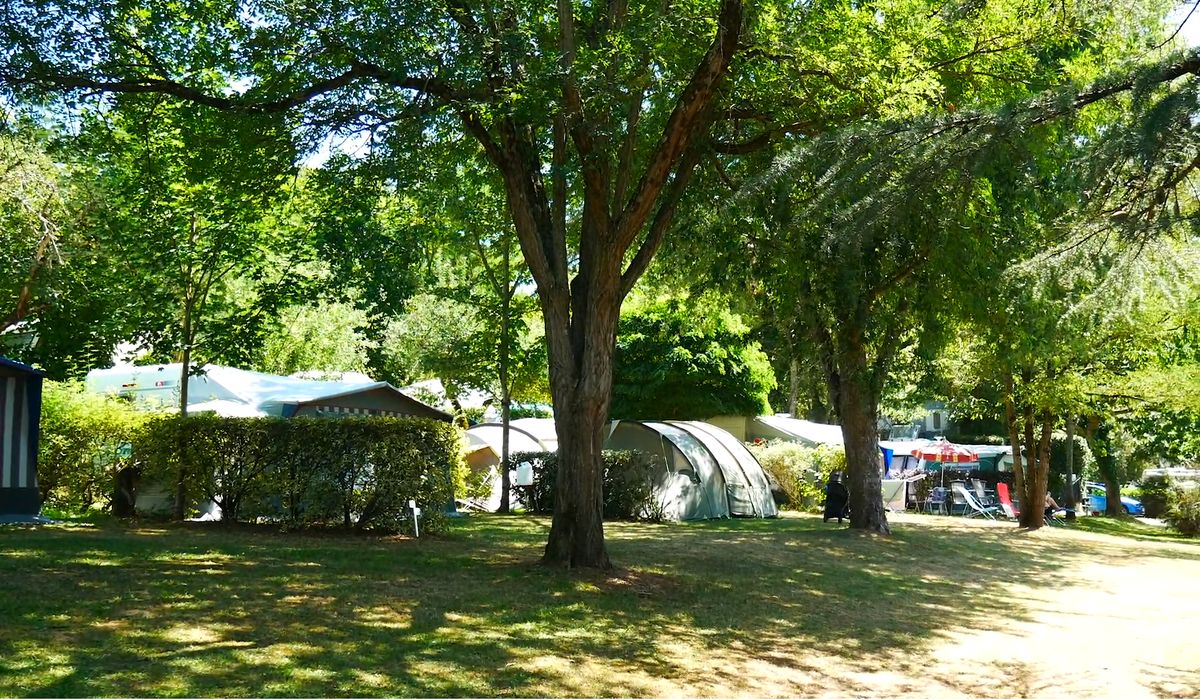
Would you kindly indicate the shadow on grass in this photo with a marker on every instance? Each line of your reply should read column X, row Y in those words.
column 201, row 611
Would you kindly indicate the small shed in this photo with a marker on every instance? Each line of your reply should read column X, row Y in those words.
column 20, row 419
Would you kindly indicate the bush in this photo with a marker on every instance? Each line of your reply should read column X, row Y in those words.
column 628, row 484
column 1183, row 512
column 355, row 472
column 80, row 447
column 1155, row 495
column 800, row 471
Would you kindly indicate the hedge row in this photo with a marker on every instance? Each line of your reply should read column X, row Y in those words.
column 354, row 472
column 80, row 449
column 628, row 484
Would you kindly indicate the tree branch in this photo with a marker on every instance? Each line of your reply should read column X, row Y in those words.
column 683, row 122
column 357, row 71
column 662, row 221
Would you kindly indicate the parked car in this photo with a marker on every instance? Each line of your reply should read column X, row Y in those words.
column 1097, row 501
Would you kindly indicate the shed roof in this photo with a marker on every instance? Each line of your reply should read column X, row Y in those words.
column 20, row 367
column 221, row 387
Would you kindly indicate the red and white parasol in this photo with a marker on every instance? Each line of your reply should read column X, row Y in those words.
column 946, row 453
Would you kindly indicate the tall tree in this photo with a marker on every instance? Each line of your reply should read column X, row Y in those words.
column 602, row 102
column 185, row 211
column 594, row 116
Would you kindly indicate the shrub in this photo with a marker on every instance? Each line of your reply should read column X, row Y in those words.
column 800, row 471
column 353, row 472
column 1183, row 512
column 1155, row 495
column 628, row 484
column 80, row 447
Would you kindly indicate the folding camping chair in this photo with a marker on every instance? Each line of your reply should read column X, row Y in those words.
column 957, row 504
column 1053, row 519
column 1007, row 507
column 973, row 506
column 936, row 500
column 981, row 493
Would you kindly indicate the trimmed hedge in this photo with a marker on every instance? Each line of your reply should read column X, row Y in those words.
column 354, row 472
column 79, row 449
column 628, row 494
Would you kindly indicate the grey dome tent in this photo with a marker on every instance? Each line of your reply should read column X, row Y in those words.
column 746, row 484
column 725, row 479
column 706, row 472
column 690, row 485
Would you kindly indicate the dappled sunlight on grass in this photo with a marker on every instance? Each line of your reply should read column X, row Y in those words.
column 715, row 608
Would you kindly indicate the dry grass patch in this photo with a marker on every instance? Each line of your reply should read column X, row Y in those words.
column 791, row 607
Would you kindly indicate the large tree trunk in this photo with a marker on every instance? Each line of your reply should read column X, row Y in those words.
column 1038, row 474
column 581, row 295
column 858, row 408
column 581, row 383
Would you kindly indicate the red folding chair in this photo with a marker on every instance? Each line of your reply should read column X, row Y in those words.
column 1006, row 503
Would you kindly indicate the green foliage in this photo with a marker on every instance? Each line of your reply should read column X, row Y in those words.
column 684, row 361
column 184, row 198
column 1183, row 513
column 79, row 451
column 31, row 214
column 800, row 471
column 328, row 337
column 354, row 472
column 628, row 477
column 1084, row 464
column 370, row 239
column 1155, row 495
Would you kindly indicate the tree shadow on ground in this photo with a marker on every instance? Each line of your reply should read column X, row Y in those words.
column 208, row 611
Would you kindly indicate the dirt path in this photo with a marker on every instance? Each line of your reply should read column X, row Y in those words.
column 1125, row 627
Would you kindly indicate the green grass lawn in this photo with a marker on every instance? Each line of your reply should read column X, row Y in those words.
column 199, row 610
column 1130, row 527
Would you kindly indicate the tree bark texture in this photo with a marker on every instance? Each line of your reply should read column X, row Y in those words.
column 1033, row 497
column 859, row 408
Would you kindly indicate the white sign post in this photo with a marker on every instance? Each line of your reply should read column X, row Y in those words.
column 416, row 515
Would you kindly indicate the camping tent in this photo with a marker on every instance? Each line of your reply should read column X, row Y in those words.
column 690, row 484
column 790, row 429
column 236, row 392
column 706, row 472
column 20, row 419
column 746, row 484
